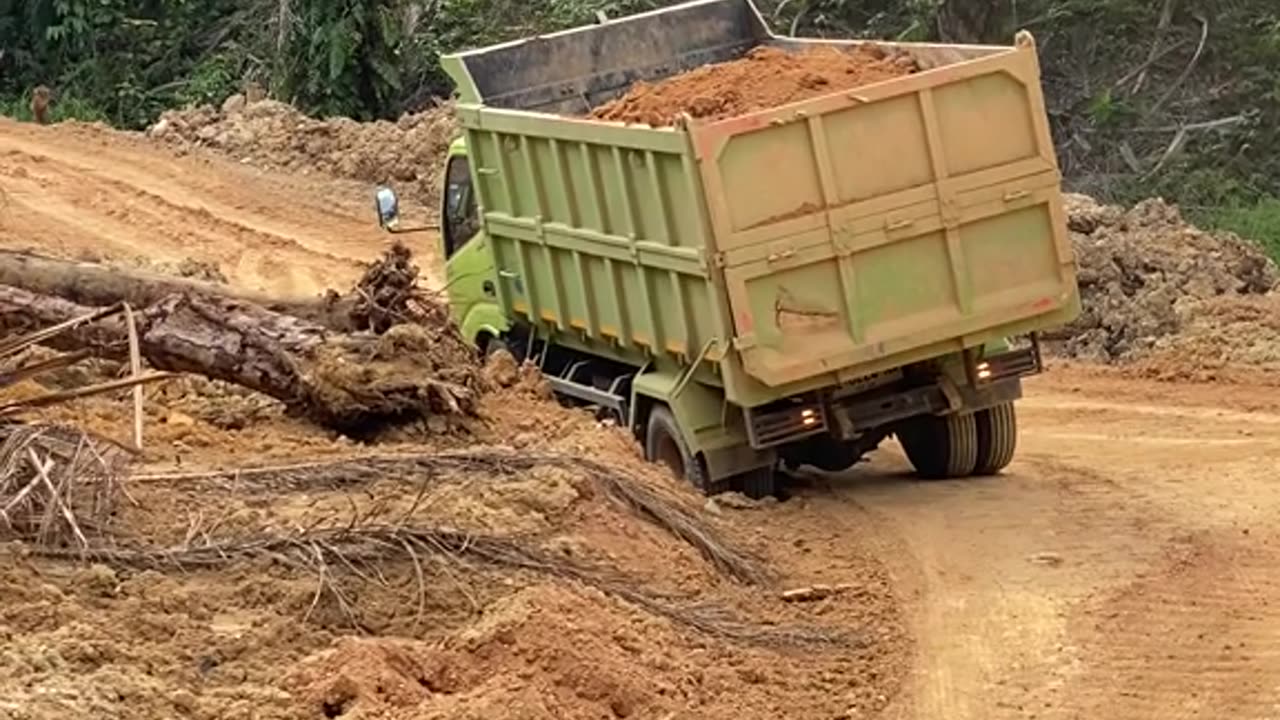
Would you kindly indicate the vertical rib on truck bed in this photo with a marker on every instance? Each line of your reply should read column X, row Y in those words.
column 917, row 212
column 597, row 230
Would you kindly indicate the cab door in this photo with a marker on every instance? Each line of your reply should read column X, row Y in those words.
column 469, row 266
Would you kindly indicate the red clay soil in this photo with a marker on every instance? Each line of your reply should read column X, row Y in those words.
column 766, row 77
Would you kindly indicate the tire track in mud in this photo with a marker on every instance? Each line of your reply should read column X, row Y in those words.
column 988, row 568
column 1195, row 636
column 229, row 190
column 150, row 225
column 1192, row 630
column 83, row 192
column 1104, row 575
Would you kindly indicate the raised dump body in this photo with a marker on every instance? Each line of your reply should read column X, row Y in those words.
column 804, row 253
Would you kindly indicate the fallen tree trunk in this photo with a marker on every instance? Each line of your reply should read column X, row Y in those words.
column 355, row 383
column 92, row 284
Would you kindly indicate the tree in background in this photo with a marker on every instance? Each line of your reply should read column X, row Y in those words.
column 341, row 57
column 112, row 60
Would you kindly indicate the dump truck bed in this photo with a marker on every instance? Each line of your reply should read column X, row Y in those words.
column 782, row 250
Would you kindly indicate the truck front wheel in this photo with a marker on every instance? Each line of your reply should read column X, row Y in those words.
column 941, row 447
column 997, row 438
column 664, row 445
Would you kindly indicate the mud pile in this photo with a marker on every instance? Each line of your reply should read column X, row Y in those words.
column 611, row 614
column 1148, row 278
column 276, row 136
column 554, row 574
column 766, row 77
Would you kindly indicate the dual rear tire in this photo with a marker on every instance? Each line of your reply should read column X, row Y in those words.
column 939, row 447
column 961, row 445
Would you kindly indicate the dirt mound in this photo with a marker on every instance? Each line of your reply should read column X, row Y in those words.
column 1147, row 277
column 561, row 652
column 766, row 77
column 1229, row 338
column 91, row 643
column 536, row 591
column 274, row 135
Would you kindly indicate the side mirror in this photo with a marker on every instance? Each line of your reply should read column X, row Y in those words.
column 388, row 208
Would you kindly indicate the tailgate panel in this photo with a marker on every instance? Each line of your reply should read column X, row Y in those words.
column 917, row 211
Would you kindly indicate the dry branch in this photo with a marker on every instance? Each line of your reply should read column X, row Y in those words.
column 135, row 369
column 1166, row 19
column 39, row 367
column 61, row 396
column 18, row 344
column 58, row 485
column 363, row 551
column 1186, row 72
column 654, row 505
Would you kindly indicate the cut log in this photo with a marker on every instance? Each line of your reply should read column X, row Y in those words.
column 96, row 285
column 355, row 383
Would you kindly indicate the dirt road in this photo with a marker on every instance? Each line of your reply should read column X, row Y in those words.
column 85, row 193
column 1124, row 567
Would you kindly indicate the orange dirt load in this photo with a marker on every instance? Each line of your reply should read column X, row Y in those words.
column 765, row 78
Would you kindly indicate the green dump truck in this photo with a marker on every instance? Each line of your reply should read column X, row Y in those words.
column 787, row 287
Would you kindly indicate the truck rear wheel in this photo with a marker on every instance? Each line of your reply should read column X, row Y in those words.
column 941, row 447
column 664, row 445
column 997, row 438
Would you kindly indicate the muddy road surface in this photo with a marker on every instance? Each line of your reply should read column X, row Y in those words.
column 1123, row 568
column 85, row 193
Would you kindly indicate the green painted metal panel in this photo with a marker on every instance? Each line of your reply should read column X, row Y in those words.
column 597, row 242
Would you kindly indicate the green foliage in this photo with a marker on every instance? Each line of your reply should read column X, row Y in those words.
column 1106, row 109
column 341, row 57
column 116, row 60
column 67, row 108
column 209, row 81
column 1259, row 221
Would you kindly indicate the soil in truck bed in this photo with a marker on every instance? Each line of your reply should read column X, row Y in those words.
column 765, row 77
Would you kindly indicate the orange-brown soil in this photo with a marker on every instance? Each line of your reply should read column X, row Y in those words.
column 765, row 78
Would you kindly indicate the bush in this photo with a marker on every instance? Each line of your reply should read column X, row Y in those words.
column 1259, row 222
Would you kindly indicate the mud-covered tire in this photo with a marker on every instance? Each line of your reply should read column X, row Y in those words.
column 997, row 438
column 758, row 484
column 940, row 448
column 664, row 445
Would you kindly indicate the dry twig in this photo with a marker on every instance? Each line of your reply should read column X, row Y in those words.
column 57, row 485
column 362, row 551
column 62, row 396
column 662, row 508
column 135, row 370
column 1186, row 72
